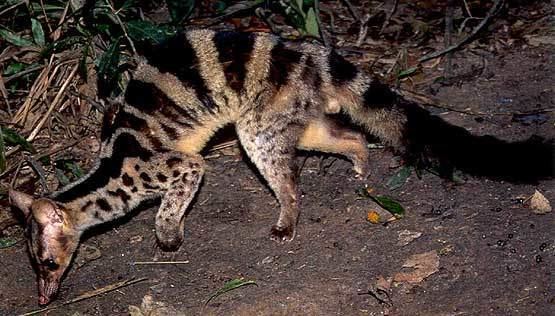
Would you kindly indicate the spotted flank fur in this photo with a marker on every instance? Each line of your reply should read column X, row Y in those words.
column 279, row 96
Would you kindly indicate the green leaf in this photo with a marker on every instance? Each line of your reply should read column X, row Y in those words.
column 140, row 30
column 83, row 70
column 311, row 24
column 407, row 72
column 67, row 170
column 75, row 169
column 228, row 286
column 400, row 178
column 38, row 32
column 65, row 43
column 299, row 7
column 108, row 73
column 62, row 178
column 14, row 39
column 13, row 68
column 12, row 138
column 390, row 205
column 38, row 7
column 180, row 9
column 6, row 242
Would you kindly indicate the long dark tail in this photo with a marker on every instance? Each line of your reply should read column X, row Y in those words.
column 429, row 137
column 426, row 139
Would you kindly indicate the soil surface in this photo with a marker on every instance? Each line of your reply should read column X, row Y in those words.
column 484, row 251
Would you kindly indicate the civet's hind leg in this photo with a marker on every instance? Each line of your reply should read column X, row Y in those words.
column 271, row 147
column 327, row 136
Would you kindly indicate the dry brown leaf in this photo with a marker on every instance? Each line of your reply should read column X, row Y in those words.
column 424, row 265
column 539, row 204
column 406, row 236
column 383, row 283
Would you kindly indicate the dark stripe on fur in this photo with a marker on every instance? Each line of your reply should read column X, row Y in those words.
column 282, row 62
column 234, row 52
column 121, row 194
column 146, row 97
column 104, row 205
column 122, row 119
column 341, row 70
column 143, row 96
column 170, row 131
column 177, row 56
column 436, row 141
column 310, row 75
column 110, row 168
column 379, row 95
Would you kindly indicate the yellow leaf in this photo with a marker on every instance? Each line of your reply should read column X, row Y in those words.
column 373, row 217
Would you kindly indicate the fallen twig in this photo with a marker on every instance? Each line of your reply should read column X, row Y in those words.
column 224, row 145
column 137, row 263
column 449, row 12
column 389, row 16
column 23, row 73
column 37, row 157
column 39, row 171
column 492, row 12
column 317, row 13
column 90, row 294
column 124, row 29
column 54, row 103
column 352, row 10
column 4, row 93
column 12, row 7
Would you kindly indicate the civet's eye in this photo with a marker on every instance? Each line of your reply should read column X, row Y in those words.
column 50, row 264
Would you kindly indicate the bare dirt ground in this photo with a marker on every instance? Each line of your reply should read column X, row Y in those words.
column 487, row 253
column 479, row 250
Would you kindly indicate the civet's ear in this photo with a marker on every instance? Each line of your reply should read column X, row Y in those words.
column 46, row 212
column 21, row 200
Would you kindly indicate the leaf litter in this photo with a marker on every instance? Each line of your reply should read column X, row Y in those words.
column 423, row 265
column 539, row 204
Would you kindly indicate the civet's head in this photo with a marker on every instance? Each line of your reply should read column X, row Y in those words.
column 51, row 240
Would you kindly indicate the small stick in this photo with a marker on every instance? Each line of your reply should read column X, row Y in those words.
column 90, row 294
column 389, row 16
column 363, row 31
column 54, row 103
column 39, row 171
column 37, row 157
column 124, row 29
column 448, row 37
column 45, row 16
column 23, row 73
column 467, row 8
column 317, row 13
column 5, row 94
column 137, row 263
column 55, row 35
column 352, row 10
column 493, row 11
column 221, row 146
column 12, row 7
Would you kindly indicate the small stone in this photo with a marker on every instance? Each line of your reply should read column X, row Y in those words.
column 539, row 204
column 407, row 236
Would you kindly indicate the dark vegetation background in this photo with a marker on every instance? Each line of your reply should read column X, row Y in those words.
column 58, row 57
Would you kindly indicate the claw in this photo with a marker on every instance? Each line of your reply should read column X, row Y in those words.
column 281, row 234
